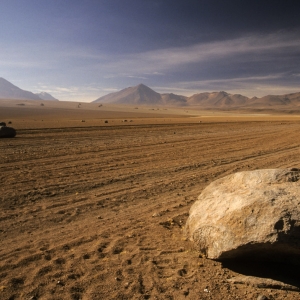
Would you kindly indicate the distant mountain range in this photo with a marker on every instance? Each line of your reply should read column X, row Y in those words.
column 143, row 95
column 10, row 91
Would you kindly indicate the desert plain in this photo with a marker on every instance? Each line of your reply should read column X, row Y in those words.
column 94, row 199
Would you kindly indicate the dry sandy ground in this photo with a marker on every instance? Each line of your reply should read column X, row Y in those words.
column 94, row 210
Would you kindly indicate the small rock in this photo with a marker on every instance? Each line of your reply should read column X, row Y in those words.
column 262, row 297
column 156, row 215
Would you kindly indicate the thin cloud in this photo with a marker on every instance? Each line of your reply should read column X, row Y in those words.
column 150, row 63
column 109, row 90
column 137, row 77
column 170, row 58
column 85, row 93
column 233, row 80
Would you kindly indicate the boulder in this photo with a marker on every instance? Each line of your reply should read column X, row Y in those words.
column 251, row 214
column 7, row 132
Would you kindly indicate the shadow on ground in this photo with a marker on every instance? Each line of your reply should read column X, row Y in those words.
column 284, row 272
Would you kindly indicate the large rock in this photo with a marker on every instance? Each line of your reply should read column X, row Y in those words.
column 249, row 214
column 7, row 132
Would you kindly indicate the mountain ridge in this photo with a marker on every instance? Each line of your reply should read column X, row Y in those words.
column 143, row 95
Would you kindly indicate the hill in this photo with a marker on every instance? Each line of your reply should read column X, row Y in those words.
column 217, row 100
column 46, row 96
column 173, row 99
column 288, row 100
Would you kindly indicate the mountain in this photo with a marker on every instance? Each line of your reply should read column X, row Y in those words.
column 141, row 95
column 217, row 99
column 10, row 91
column 46, row 96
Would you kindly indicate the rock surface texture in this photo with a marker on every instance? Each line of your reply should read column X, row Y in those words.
column 252, row 214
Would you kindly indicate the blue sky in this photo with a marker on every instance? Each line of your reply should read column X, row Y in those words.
column 79, row 50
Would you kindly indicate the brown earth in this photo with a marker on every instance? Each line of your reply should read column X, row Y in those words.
column 94, row 210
